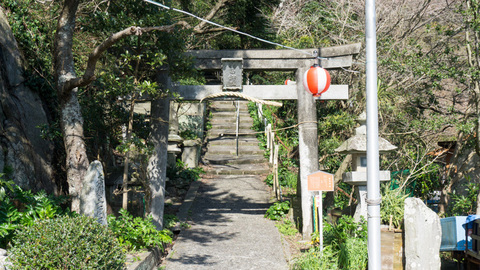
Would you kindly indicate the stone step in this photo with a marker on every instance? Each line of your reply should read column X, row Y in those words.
column 233, row 120
column 231, row 109
column 220, row 132
column 231, row 126
column 239, row 169
column 228, row 105
column 220, row 150
column 229, row 115
column 217, row 159
column 231, row 141
column 229, row 150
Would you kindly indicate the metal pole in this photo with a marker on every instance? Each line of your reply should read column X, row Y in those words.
column 373, row 183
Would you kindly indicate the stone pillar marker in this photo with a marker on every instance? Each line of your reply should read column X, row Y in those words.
column 93, row 202
column 157, row 163
column 423, row 236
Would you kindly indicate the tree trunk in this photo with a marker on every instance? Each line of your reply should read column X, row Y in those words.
column 330, row 196
column 67, row 84
column 71, row 116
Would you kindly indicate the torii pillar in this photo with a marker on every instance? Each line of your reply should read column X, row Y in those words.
column 307, row 148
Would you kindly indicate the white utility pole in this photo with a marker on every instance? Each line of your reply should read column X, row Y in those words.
column 373, row 168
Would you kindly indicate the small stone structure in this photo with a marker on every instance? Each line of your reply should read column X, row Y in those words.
column 357, row 146
column 423, row 236
column 191, row 153
column 92, row 199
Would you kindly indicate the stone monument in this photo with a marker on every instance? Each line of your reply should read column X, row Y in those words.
column 423, row 236
column 92, row 198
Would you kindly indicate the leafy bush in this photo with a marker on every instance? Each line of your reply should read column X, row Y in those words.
column 169, row 221
column 137, row 233
column 352, row 254
column 180, row 171
column 66, row 243
column 24, row 208
column 393, row 201
column 287, row 178
column 278, row 210
column 314, row 260
column 345, row 247
column 462, row 205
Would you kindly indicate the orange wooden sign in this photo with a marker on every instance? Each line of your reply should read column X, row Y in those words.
column 320, row 181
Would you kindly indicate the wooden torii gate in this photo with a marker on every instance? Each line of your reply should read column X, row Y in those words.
column 233, row 62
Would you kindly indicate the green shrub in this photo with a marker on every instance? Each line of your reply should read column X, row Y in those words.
column 353, row 254
column 393, row 201
column 345, row 247
column 169, row 221
column 24, row 208
column 278, row 210
column 315, row 260
column 462, row 205
column 66, row 243
column 137, row 233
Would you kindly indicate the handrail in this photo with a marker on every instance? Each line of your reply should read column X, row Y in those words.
column 273, row 147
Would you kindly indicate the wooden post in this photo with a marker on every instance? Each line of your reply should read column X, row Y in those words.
column 275, row 172
column 308, row 149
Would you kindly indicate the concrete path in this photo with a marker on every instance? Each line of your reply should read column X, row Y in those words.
column 228, row 230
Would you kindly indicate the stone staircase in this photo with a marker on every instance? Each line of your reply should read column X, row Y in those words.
column 220, row 147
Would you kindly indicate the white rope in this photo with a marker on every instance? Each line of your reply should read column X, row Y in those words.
column 243, row 96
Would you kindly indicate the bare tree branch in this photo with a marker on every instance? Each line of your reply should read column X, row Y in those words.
column 200, row 28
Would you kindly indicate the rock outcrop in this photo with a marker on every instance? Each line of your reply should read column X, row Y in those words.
column 23, row 151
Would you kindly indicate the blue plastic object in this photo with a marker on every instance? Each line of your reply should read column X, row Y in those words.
column 453, row 234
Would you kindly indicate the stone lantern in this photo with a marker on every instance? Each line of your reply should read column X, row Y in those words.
column 357, row 147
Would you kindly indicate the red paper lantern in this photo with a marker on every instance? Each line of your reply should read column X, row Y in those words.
column 316, row 80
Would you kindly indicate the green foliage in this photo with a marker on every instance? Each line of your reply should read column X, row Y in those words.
column 393, row 201
column 353, row 255
column 66, row 243
column 345, row 247
column 278, row 210
column 286, row 227
column 169, row 221
column 345, row 228
column 341, row 200
column 287, row 178
column 462, row 205
column 5, row 185
column 180, row 171
column 314, row 260
column 24, row 208
column 137, row 233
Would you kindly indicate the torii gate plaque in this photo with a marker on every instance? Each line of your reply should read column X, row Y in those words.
column 280, row 60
